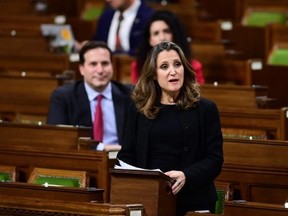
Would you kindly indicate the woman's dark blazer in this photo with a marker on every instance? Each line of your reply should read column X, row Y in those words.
column 69, row 105
column 201, row 162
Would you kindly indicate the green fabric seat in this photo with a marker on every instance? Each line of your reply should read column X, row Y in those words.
column 219, row 207
column 57, row 181
column 279, row 57
column 5, row 177
column 260, row 19
column 92, row 13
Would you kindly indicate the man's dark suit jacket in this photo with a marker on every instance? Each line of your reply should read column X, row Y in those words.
column 69, row 105
column 142, row 17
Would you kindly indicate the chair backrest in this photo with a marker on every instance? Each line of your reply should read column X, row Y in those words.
column 55, row 177
column 7, row 173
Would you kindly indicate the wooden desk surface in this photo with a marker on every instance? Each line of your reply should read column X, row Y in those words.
column 10, row 205
column 240, row 96
column 20, row 189
column 41, row 136
column 254, row 209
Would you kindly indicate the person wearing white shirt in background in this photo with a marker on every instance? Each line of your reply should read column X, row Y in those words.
column 136, row 14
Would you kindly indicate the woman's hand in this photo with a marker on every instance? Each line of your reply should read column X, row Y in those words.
column 180, row 180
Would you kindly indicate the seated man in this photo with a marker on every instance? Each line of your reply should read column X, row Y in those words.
column 75, row 104
column 121, row 24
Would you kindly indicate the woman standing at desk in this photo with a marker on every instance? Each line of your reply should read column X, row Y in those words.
column 172, row 128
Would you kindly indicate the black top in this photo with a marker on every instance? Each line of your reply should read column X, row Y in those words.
column 164, row 144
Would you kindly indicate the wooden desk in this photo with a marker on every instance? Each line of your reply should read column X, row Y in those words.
column 43, row 137
column 276, row 78
column 205, row 31
column 233, row 95
column 122, row 68
column 254, row 44
column 152, row 189
column 257, row 169
column 254, row 209
column 95, row 163
column 248, row 209
column 24, row 53
column 20, row 189
column 17, row 7
column 183, row 10
column 25, row 94
column 273, row 121
column 221, row 66
column 10, row 205
column 28, row 25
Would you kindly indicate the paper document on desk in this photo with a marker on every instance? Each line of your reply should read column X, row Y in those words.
column 124, row 165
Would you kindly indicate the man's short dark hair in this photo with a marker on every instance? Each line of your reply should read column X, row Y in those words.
column 92, row 45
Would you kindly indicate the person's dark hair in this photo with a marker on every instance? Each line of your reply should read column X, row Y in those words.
column 147, row 92
column 178, row 33
column 92, row 45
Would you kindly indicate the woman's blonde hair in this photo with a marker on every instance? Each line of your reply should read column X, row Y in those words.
column 147, row 92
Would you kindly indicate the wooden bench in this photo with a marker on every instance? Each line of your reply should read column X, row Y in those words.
column 11, row 205
column 239, row 96
column 257, row 169
column 273, row 121
column 25, row 96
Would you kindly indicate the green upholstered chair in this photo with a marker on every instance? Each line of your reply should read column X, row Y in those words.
column 261, row 16
column 7, row 174
column 278, row 57
column 5, row 177
column 219, row 207
column 55, row 177
column 224, row 193
column 92, row 10
column 260, row 19
column 91, row 13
